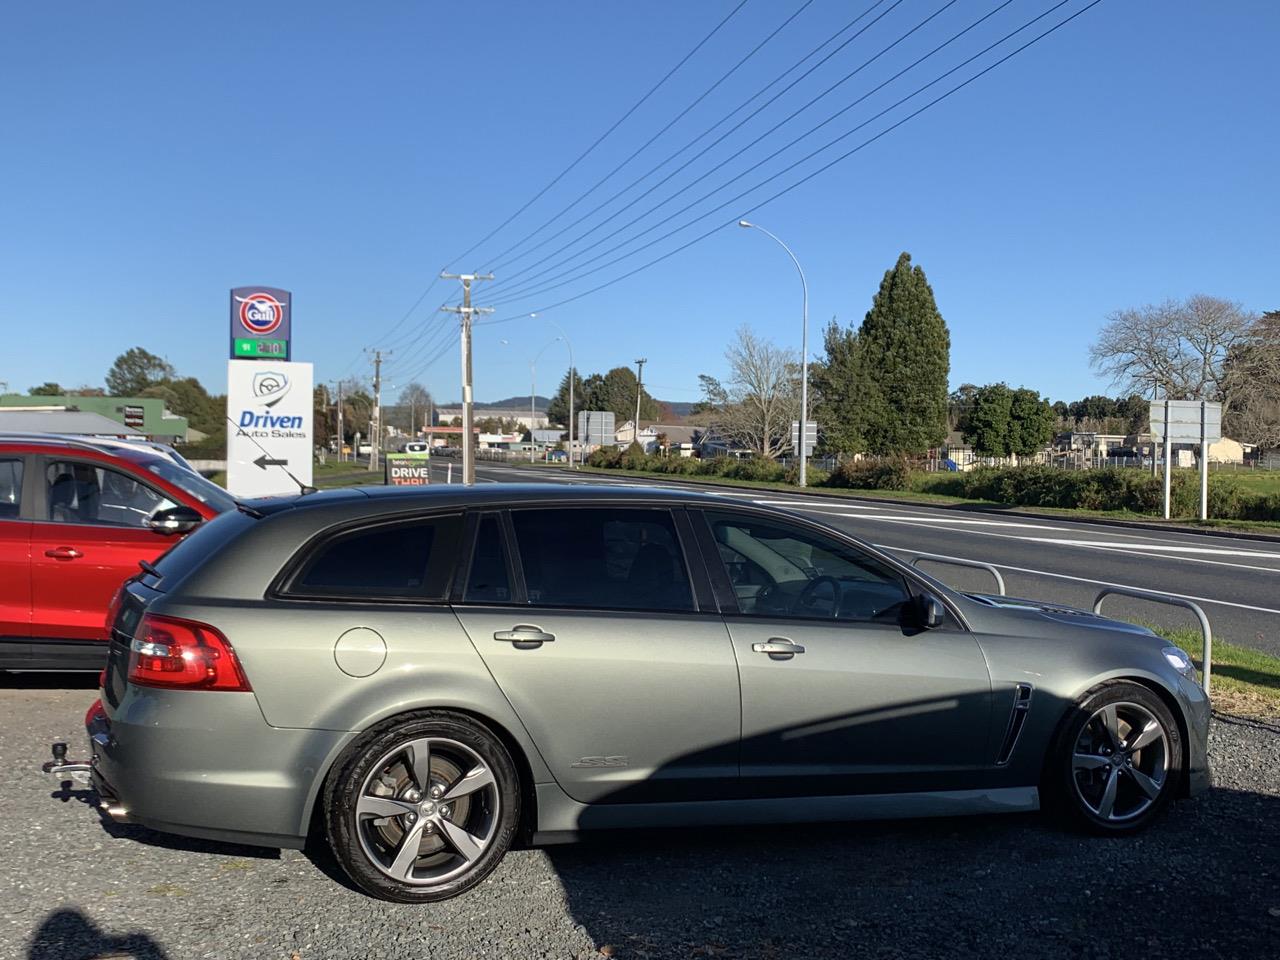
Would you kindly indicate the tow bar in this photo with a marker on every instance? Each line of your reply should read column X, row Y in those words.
column 59, row 766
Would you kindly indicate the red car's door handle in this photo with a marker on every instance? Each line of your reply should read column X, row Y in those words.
column 63, row 553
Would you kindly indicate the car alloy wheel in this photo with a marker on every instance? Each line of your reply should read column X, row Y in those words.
column 1117, row 759
column 422, row 807
column 427, row 811
column 1121, row 761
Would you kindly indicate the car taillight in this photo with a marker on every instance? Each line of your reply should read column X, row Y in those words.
column 184, row 655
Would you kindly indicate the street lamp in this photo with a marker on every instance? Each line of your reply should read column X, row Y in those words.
column 565, row 337
column 533, row 389
column 804, row 347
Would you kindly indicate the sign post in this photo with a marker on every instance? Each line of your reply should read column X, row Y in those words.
column 269, row 440
column 810, row 436
column 1187, row 421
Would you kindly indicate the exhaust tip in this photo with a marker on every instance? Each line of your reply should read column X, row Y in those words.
column 116, row 812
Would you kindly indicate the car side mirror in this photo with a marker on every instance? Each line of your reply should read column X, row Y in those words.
column 174, row 520
column 932, row 614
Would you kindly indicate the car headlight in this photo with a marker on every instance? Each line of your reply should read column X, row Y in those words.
column 1180, row 660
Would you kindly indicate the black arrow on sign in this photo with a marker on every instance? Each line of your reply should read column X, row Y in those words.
column 264, row 461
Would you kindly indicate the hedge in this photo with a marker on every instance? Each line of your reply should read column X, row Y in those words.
column 1107, row 489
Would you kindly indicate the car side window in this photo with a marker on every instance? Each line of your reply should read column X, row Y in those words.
column 778, row 570
column 79, row 492
column 488, row 581
column 10, row 489
column 602, row 558
column 406, row 560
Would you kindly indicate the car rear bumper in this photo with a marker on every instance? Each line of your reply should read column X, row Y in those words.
column 206, row 764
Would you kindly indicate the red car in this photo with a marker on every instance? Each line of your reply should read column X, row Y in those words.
column 76, row 519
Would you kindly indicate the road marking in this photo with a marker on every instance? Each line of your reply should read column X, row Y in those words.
column 1100, row 583
column 1162, row 548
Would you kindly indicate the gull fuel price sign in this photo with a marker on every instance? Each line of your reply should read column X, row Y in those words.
column 260, row 323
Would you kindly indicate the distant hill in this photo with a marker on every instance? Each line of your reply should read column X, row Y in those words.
column 679, row 407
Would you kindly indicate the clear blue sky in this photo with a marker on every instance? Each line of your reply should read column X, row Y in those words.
column 156, row 154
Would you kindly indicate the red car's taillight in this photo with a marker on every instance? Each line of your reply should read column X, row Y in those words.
column 184, row 655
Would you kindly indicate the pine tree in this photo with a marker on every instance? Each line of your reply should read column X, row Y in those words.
column 903, row 360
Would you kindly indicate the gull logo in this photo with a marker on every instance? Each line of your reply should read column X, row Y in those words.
column 269, row 387
column 260, row 313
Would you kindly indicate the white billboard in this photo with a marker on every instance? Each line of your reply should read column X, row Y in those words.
column 1186, row 420
column 270, row 435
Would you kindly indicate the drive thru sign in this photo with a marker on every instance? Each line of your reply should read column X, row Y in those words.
column 269, row 435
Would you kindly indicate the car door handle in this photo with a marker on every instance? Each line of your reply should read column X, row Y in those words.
column 525, row 635
column 778, row 648
column 63, row 553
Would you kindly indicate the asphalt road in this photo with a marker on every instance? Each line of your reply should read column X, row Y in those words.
column 1203, row 882
column 1235, row 580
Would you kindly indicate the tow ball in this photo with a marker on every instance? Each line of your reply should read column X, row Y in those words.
column 60, row 766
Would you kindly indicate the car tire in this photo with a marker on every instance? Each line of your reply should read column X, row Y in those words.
column 422, row 808
column 1116, row 762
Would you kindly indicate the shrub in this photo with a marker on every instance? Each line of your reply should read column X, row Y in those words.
column 608, row 457
column 887, row 474
column 753, row 469
column 814, row 476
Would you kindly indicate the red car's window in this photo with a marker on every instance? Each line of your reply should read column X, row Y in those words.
column 88, row 493
column 10, row 488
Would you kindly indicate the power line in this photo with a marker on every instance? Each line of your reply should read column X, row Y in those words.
column 530, row 287
column 840, row 159
column 557, row 179
column 600, row 139
column 700, row 136
column 680, row 116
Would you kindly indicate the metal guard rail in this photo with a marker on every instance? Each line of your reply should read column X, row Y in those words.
column 1165, row 598
column 957, row 562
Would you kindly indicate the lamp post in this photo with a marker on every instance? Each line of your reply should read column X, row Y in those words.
column 804, row 346
column 565, row 337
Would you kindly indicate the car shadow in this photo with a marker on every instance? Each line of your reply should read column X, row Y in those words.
column 49, row 680
column 984, row 886
column 68, row 934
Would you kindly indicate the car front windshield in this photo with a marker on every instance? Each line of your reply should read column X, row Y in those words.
column 204, row 490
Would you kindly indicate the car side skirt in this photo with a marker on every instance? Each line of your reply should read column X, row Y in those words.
column 561, row 818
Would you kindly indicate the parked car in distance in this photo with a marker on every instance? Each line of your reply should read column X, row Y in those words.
column 429, row 674
column 76, row 519
column 557, row 456
column 365, row 449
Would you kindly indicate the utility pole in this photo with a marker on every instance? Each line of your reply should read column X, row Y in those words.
column 341, row 441
column 635, row 432
column 375, row 415
column 465, row 313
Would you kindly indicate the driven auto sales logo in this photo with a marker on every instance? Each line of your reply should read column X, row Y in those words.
column 260, row 313
column 269, row 387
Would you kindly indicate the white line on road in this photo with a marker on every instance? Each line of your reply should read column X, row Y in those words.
column 1100, row 583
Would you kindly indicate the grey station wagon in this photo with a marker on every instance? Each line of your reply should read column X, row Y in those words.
column 424, row 677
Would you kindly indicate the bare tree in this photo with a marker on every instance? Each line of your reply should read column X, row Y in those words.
column 755, row 407
column 1173, row 349
column 1251, row 379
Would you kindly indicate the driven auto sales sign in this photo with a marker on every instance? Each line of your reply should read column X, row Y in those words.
column 260, row 323
column 270, row 408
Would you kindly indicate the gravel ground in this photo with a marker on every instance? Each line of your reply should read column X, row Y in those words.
column 1203, row 883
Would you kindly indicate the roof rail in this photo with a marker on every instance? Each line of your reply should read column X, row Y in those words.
column 71, row 439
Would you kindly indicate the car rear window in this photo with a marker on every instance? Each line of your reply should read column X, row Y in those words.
column 602, row 558
column 404, row 560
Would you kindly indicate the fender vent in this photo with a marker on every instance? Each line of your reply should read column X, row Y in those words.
column 1017, row 719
